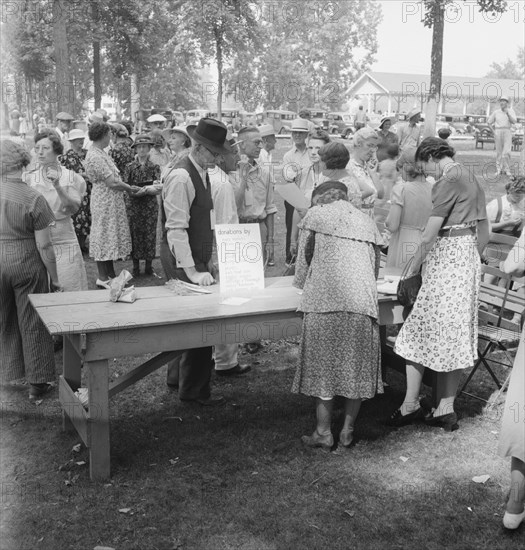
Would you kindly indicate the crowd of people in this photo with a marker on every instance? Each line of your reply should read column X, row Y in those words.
column 116, row 192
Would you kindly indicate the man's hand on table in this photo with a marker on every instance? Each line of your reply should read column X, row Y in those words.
column 199, row 278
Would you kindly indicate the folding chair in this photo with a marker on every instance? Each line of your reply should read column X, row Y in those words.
column 495, row 331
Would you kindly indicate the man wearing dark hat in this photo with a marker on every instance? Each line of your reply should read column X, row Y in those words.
column 187, row 245
column 64, row 121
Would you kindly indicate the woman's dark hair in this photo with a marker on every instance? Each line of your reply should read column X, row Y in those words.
column 98, row 131
column 56, row 143
column 392, row 150
column 128, row 125
column 14, row 156
column 434, row 147
column 516, row 185
column 334, row 155
column 320, row 135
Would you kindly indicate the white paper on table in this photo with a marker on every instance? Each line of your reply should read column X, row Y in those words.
column 240, row 257
column 292, row 194
column 234, row 301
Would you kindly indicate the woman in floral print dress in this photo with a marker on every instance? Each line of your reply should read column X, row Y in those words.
column 337, row 265
column 143, row 206
column 74, row 160
column 110, row 238
column 441, row 332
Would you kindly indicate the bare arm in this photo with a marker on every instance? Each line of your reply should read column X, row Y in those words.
column 483, row 235
column 427, row 242
column 515, row 262
column 394, row 218
column 114, row 182
column 47, row 254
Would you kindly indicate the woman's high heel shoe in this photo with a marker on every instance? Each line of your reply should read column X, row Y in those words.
column 325, row 442
column 513, row 521
column 449, row 422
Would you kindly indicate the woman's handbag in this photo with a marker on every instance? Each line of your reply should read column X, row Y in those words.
column 408, row 287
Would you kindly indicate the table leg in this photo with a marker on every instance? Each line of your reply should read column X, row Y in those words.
column 98, row 425
column 71, row 368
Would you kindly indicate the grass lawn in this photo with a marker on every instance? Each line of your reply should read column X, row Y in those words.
column 237, row 477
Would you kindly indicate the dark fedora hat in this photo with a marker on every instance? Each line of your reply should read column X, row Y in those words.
column 143, row 139
column 212, row 134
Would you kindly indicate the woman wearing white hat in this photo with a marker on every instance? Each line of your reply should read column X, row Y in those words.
column 156, row 122
column 74, row 160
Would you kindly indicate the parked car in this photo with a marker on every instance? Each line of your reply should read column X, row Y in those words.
column 280, row 120
column 193, row 116
column 340, row 123
column 248, row 119
column 229, row 116
column 318, row 117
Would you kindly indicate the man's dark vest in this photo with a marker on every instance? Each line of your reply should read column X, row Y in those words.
column 200, row 233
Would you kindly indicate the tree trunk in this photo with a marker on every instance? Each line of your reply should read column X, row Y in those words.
column 97, row 86
column 64, row 89
column 134, row 100
column 218, row 42
column 436, row 68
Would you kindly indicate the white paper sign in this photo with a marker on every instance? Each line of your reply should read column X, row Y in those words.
column 292, row 194
column 240, row 257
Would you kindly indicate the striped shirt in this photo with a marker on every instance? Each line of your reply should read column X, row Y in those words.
column 22, row 211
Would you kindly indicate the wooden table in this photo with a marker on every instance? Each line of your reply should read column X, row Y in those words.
column 96, row 330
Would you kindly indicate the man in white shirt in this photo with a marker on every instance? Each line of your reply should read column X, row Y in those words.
column 409, row 136
column 64, row 122
column 265, row 160
column 187, row 244
column 254, row 188
column 294, row 162
column 223, row 195
column 500, row 121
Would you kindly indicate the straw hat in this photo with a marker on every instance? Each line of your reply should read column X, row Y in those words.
column 76, row 134
column 300, row 125
column 64, row 116
column 266, row 130
column 157, row 118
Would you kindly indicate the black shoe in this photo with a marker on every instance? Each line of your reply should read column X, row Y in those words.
column 209, row 402
column 397, row 420
column 172, row 387
column 234, row 371
column 449, row 422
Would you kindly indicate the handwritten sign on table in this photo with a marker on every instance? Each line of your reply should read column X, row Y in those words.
column 240, row 257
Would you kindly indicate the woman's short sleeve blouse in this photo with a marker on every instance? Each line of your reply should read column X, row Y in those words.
column 398, row 194
column 458, row 198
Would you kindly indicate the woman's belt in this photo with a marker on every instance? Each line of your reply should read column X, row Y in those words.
column 457, row 232
column 251, row 220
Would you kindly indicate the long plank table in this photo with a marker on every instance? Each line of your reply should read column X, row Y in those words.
column 96, row 330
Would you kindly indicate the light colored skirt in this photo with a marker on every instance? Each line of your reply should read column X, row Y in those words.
column 70, row 263
column 512, row 436
column 441, row 332
column 339, row 355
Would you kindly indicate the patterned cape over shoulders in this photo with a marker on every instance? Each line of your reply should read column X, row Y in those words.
column 341, row 219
